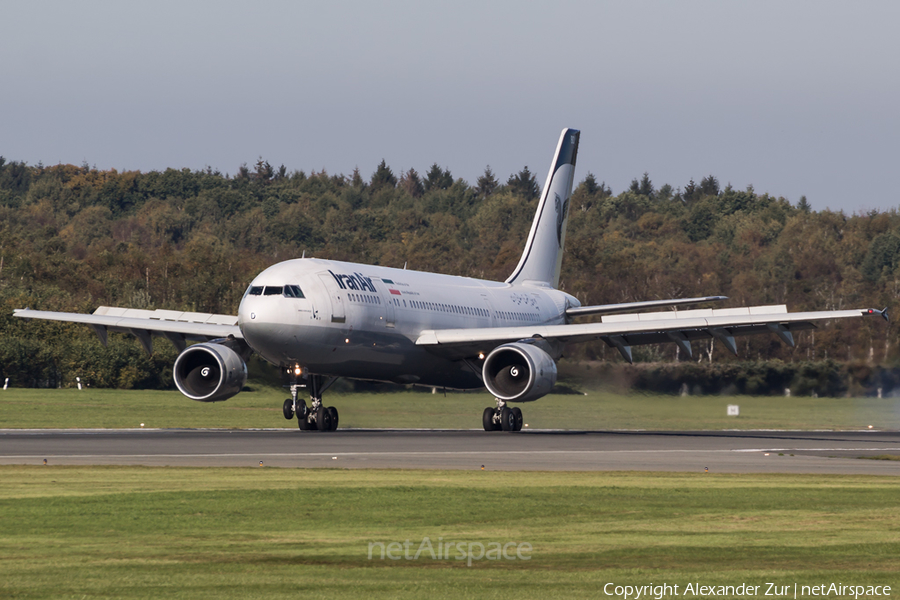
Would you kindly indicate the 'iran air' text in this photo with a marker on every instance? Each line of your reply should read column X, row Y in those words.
column 356, row 281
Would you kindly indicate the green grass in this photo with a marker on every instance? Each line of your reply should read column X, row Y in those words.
column 132, row 532
column 103, row 408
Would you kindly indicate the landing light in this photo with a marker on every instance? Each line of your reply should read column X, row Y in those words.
column 481, row 356
column 298, row 371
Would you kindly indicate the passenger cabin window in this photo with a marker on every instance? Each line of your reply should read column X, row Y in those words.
column 272, row 290
column 293, row 291
column 255, row 290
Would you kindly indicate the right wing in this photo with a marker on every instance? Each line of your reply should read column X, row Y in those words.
column 176, row 326
column 624, row 331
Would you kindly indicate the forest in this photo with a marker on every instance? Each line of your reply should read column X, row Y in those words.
column 74, row 237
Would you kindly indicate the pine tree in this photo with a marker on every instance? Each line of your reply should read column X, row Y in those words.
column 644, row 187
column 709, row 186
column 383, row 176
column 665, row 192
column 411, row 182
column 524, row 184
column 690, row 192
column 589, row 185
column 883, row 256
column 356, row 179
column 438, row 178
column 487, row 183
column 264, row 171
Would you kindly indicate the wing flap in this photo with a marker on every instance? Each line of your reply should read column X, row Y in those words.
column 744, row 311
column 607, row 309
column 164, row 315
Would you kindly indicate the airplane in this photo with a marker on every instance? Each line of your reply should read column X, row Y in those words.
column 320, row 320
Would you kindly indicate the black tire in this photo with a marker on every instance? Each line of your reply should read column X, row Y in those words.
column 334, row 418
column 507, row 419
column 520, row 420
column 288, row 409
column 323, row 419
column 487, row 419
column 303, row 417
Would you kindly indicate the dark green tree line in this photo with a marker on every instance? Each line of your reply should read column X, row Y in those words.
column 73, row 238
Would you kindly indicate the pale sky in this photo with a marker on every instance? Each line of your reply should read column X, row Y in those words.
column 792, row 97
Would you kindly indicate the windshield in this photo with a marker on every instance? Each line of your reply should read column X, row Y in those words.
column 293, row 291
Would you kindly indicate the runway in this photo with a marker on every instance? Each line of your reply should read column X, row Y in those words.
column 719, row 451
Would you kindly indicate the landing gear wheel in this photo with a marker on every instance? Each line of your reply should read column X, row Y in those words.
column 288, row 409
column 487, row 419
column 323, row 419
column 303, row 417
column 334, row 417
column 519, row 418
column 507, row 419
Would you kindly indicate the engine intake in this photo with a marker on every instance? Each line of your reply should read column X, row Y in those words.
column 519, row 372
column 210, row 372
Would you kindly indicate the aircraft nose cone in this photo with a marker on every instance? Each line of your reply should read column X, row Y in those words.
column 245, row 313
column 249, row 319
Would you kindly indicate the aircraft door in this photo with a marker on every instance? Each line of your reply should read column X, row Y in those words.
column 490, row 309
column 388, row 300
column 335, row 297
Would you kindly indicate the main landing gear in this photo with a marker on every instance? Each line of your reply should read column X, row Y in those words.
column 502, row 418
column 317, row 416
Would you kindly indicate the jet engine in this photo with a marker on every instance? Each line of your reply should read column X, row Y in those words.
column 210, row 372
column 519, row 372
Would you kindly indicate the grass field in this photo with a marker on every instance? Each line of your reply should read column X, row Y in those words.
column 127, row 532
column 102, row 408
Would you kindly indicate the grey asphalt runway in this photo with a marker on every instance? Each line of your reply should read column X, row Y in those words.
column 719, row 451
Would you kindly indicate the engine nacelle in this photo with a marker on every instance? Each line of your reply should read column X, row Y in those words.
column 519, row 372
column 210, row 372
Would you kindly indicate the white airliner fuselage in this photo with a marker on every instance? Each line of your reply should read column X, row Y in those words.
column 363, row 321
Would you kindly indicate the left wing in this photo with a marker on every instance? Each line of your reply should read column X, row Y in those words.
column 176, row 326
column 624, row 331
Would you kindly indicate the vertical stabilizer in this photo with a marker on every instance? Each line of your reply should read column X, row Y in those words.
column 542, row 257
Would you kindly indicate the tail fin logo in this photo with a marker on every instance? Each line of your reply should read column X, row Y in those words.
column 561, row 209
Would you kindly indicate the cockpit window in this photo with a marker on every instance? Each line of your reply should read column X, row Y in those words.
column 293, row 291
column 255, row 290
column 272, row 290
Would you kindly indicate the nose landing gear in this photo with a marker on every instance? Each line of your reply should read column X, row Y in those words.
column 317, row 417
column 502, row 418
